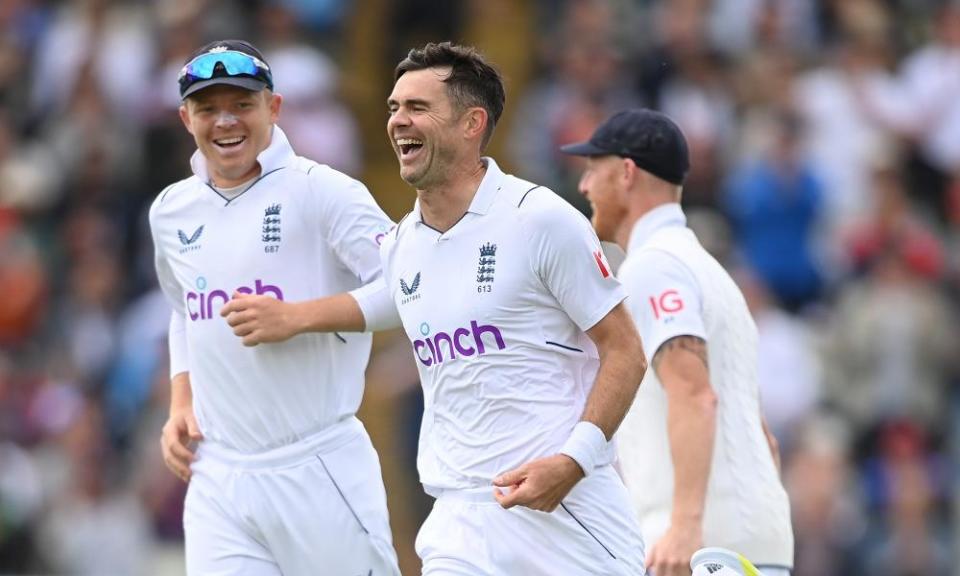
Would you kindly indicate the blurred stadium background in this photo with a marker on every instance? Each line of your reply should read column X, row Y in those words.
column 825, row 139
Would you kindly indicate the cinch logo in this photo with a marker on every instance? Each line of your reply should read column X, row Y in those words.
column 463, row 342
column 200, row 304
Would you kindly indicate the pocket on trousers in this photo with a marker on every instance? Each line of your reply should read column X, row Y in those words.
column 591, row 533
column 354, row 471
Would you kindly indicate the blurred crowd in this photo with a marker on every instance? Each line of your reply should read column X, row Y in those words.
column 825, row 143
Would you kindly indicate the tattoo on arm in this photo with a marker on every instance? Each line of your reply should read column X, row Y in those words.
column 693, row 344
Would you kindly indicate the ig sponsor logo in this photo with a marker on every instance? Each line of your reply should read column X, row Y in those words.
column 669, row 302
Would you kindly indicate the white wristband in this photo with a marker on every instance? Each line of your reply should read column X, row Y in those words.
column 587, row 445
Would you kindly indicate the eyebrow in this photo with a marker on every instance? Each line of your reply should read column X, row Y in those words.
column 408, row 102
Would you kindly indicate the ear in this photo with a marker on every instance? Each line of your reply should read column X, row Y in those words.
column 629, row 172
column 475, row 122
column 275, row 102
column 185, row 116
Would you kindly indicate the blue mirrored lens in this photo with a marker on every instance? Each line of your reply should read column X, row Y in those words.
column 204, row 67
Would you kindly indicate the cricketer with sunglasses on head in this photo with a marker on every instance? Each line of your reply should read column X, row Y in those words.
column 283, row 478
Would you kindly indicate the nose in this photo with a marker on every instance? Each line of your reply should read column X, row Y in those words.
column 583, row 187
column 226, row 119
column 397, row 118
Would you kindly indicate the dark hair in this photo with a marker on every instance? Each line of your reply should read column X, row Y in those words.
column 472, row 81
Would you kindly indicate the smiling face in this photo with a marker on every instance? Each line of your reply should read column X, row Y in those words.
column 424, row 128
column 231, row 126
column 604, row 184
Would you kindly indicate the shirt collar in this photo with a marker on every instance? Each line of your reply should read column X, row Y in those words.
column 486, row 192
column 667, row 215
column 276, row 155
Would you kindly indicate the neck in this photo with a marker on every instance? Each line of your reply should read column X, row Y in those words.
column 443, row 204
column 638, row 209
column 220, row 181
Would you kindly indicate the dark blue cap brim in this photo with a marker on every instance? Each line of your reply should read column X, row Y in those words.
column 584, row 149
column 251, row 84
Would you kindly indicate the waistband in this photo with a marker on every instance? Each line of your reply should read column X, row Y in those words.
column 321, row 442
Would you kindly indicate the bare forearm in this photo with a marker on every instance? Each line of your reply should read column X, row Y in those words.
column 614, row 389
column 339, row 313
column 682, row 364
column 691, row 427
column 622, row 366
column 181, row 394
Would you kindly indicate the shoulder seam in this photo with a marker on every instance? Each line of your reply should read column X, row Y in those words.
column 396, row 233
column 527, row 192
column 165, row 191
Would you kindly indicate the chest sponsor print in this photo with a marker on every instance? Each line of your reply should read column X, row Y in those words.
column 409, row 291
column 189, row 243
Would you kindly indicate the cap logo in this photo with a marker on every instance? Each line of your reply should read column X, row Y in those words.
column 217, row 49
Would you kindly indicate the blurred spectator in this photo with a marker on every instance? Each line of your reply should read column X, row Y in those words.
column 788, row 366
column 908, row 481
column 920, row 104
column 699, row 98
column 141, row 351
column 892, row 343
column 892, row 225
column 773, row 203
column 828, row 523
column 840, row 139
column 324, row 16
column 587, row 81
column 20, row 485
column 112, row 38
column 318, row 125
column 740, row 26
column 96, row 525
column 23, row 283
column 20, row 501
column 95, row 159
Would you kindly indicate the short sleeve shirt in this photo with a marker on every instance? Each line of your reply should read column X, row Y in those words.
column 496, row 309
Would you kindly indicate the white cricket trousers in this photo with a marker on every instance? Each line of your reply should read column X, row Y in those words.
column 314, row 507
column 593, row 532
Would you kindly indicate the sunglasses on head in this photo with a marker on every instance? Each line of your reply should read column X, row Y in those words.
column 225, row 63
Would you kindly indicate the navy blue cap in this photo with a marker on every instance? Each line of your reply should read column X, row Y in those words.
column 649, row 138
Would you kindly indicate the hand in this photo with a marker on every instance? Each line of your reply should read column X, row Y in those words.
column 540, row 485
column 670, row 556
column 258, row 319
column 178, row 433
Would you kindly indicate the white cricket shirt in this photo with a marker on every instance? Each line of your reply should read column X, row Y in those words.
column 496, row 309
column 301, row 231
column 677, row 288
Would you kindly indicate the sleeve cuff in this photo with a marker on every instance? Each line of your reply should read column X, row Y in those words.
column 376, row 305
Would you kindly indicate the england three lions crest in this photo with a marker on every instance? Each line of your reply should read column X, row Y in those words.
column 270, row 234
column 486, row 267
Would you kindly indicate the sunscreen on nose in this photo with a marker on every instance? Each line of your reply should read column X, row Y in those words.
column 226, row 118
